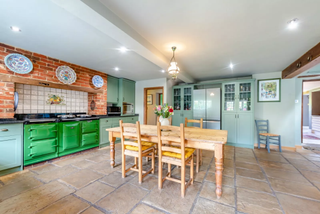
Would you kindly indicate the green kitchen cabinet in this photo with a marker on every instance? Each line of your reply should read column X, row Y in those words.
column 113, row 90
column 40, row 142
column 11, row 148
column 126, row 91
column 90, row 134
column 182, row 104
column 106, row 123
column 238, row 112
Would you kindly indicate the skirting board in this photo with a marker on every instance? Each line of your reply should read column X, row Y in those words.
column 286, row 148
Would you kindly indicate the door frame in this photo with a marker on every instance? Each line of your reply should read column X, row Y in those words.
column 310, row 80
column 145, row 93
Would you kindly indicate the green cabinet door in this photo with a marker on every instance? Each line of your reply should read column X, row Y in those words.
column 128, row 91
column 43, row 147
column 104, row 135
column 41, row 131
column 113, row 90
column 229, row 124
column 10, row 153
column 89, row 139
column 69, row 136
column 245, row 130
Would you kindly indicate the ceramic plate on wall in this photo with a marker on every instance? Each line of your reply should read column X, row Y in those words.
column 97, row 81
column 66, row 75
column 18, row 63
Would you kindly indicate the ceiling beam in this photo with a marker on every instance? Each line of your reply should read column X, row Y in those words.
column 305, row 62
column 99, row 16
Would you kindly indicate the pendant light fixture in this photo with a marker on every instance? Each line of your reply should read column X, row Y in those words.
column 173, row 69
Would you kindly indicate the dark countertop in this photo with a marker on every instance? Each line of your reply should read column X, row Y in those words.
column 10, row 121
column 115, row 116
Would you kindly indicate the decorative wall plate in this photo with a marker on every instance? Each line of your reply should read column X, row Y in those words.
column 66, row 75
column 97, row 81
column 18, row 63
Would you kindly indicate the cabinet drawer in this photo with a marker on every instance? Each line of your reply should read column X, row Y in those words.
column 88, row 139
column 41, row 131
column 106, row 121
column 90, row 126
column 10, row 129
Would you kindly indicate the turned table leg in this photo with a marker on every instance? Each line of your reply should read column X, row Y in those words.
column 112, row 149
column 218, row 156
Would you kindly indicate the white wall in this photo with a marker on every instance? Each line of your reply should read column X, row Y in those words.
column 283, row 116
column 140, row 85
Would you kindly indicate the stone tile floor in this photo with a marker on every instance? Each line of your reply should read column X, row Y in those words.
column 253, row 182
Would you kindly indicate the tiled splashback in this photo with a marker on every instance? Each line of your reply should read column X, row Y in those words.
column 36, row 99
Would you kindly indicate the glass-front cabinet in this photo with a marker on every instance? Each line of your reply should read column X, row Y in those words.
column 237, row 97
column 182, row 104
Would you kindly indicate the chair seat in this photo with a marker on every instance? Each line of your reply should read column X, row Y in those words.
column 269, row 134
column 188, row 153
column 145, row 146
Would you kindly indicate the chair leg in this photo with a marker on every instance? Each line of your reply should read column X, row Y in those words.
column 280, row 144
column 136, row 162
column 123, row 165
column 191, row 169
column 258, row 143
column 268, row 145
column 197, row 160
column 159, row 174
column 152, row 163
column 183, row 179
column 140, row 169
column 169, row 169
column 200, row 157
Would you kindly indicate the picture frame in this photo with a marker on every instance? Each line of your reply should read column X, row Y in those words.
column 149, row 99
column 269, row 90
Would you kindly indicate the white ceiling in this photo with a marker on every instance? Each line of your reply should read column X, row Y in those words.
column 50, row 30
column 209, row 34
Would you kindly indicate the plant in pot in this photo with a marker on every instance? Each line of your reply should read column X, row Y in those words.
column 165, row 112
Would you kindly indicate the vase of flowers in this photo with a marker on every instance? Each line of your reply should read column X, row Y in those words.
column 165, row 112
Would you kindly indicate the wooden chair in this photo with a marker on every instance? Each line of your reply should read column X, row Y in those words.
column 265, row 137
column 198, row 151
column 175, row 154
column 135, row 148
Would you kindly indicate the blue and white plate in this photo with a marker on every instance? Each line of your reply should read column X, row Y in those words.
column 18, row 63
column 97, row 81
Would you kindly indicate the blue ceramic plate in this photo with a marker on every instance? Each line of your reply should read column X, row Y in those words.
column 97, row 81
column 18, row 63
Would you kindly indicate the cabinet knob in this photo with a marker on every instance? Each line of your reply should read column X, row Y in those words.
column 71, row 127
column 4, row 130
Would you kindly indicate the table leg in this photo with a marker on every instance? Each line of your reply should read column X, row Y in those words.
column 112, row 149
column 218, row 156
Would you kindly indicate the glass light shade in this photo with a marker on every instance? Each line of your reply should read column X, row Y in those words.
column 173, row 68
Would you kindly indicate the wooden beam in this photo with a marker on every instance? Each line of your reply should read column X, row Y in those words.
column 309, row 76
column 305, row 62
column 24, row 80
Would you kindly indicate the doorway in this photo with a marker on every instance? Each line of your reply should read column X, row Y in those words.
column 310, row 121
column 152, row 97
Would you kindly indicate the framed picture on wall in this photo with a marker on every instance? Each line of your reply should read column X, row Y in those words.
column 149, row 99
column 269, row 90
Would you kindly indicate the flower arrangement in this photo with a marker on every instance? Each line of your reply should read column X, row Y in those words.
column 165, row 111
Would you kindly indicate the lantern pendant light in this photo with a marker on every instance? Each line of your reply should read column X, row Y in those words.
column 173, row 69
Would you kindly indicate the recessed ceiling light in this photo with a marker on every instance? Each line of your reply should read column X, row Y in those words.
column 123, row 49
column 211, row 94
column 116, row 68
column 15, row 29
column 292, row 24
column 163, row 71
column 231, row 65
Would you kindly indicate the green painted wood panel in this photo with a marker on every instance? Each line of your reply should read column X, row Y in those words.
column 10, row 151
column 245, row 129
column 229, row 124
column 113, row 90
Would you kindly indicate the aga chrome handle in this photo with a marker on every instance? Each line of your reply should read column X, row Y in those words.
column 89, row 121
column 4, row 130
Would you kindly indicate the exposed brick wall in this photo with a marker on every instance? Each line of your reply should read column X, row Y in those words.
column 44, row 68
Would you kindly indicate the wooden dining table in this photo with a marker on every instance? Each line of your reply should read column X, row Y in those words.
column 206, row 139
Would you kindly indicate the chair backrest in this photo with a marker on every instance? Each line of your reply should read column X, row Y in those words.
column 170, row 119
column 132, row 132
column 186, row 121
column 262, row 127
column 173, row 134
